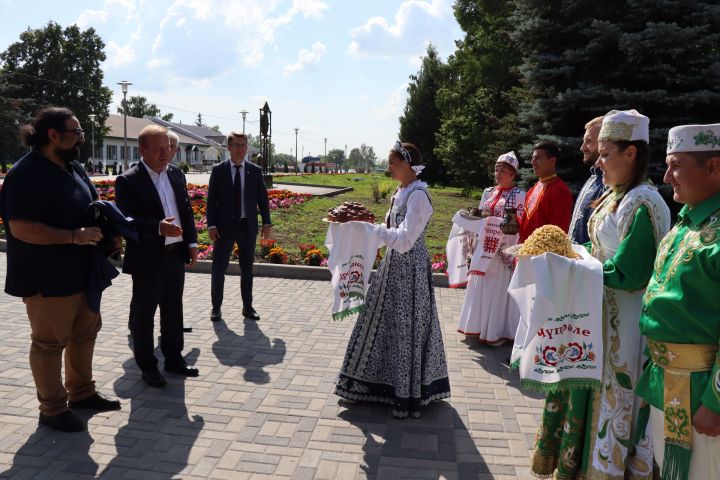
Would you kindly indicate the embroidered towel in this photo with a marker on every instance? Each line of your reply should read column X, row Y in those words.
column 352, row 249
column 490, row 241
column 559, row 341
column 460, row 246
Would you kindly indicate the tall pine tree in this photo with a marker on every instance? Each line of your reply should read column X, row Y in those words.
column 582, row 58
column 420, row 121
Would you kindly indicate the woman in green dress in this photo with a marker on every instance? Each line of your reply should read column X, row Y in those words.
column 589, row 434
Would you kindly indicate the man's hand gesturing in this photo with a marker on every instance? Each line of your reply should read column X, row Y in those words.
column 169, row 229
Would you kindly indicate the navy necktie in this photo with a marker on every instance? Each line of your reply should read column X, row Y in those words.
column 237, row 191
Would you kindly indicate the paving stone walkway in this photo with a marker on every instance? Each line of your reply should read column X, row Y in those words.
column 263, row 406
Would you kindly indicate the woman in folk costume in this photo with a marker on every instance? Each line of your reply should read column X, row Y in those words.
column 488, row 311
column 590, row 434
column 396, row 353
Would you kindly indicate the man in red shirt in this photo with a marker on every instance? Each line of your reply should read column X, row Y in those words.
column 549, row 201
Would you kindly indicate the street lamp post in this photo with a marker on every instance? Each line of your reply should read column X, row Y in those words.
column 243, row 113
column 92, row 117
column 124, row 86
column 296, row 151
column 325, row 155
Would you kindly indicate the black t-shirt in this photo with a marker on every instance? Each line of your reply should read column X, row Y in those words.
column 38, row 190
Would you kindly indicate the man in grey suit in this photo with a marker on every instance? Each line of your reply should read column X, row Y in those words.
column 236, row 193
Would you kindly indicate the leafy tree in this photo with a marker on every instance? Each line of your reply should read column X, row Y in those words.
column 138, row 106
column 256, row 141
column 56, row 66
column 355, row 160
column 336, row 156
column 368, row 154
column 479, row 98
column 420, row 122
column 584, row 58
column 283, row 159
column 13, row 113
column 361, row 158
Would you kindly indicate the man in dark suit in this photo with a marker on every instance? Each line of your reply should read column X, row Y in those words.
column 235, row 195
column 154, row 193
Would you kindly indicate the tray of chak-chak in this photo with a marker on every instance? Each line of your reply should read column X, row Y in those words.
column 349, row 212
column 546, row 239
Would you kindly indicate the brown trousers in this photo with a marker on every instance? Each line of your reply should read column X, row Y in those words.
column 61, row 323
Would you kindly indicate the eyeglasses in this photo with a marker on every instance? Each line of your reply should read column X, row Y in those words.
column 77, row 131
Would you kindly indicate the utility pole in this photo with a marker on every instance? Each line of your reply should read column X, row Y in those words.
column 92, row 117
column 296, row 151
column 243, row 113
column 124, row 86
column 325, row 159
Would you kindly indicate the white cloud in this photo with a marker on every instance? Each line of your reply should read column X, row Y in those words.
column 306, row 58
column 155, row 63
column 309, row 8
column 395, row 104
column 217, row 35
column 119, row 55
column 114, row 13
column 119, row 11
column 89, row 18
column 417, row 23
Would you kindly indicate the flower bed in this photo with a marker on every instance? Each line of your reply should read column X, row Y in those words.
column 278, row 200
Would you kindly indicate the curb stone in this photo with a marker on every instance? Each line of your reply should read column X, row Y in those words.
column 271, row 270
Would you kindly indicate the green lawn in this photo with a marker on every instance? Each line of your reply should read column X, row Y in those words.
column 303, row 223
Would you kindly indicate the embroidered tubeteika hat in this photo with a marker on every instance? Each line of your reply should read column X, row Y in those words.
column 694, row 138
column 626, row 125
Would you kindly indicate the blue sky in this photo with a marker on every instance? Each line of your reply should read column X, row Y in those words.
column 335, row 69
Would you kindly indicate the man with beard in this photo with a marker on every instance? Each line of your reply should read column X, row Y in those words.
column 593, row 188
column 49, row 250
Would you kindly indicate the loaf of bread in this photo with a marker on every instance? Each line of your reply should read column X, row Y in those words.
column 350, row 212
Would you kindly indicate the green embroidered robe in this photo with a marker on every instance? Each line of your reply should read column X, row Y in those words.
column 681, row 302
column 575, row 430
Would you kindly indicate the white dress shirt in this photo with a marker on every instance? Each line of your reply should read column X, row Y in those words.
column 167, row 197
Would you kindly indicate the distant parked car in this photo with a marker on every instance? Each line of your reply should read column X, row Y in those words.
column 352, row 170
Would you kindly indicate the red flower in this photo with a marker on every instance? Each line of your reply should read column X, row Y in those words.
column 549, row 356
column 575, row 352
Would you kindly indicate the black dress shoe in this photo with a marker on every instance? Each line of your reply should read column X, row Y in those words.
column 183, row 370
column 154, row 378
column 215, row 315
column 249, row 312
column 63, row 422
column 96, row 402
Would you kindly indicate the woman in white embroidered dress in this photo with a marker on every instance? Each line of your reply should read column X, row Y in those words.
column 590, row 434
column 488, row 311
column 395, row 354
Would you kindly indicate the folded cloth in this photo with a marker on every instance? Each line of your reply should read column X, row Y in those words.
column 459, row 248
column 559, row 341
column 352, row 250
column 112, row 222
